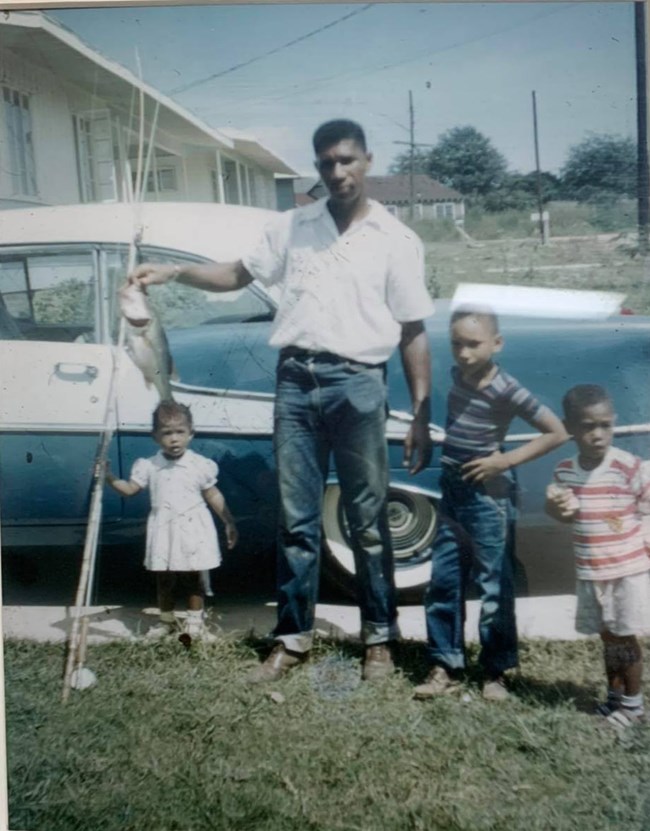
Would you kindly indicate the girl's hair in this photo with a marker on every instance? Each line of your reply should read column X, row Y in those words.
column 168, row 410
column 581, row 396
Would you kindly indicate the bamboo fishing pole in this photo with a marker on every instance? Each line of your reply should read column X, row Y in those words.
column 78, row 640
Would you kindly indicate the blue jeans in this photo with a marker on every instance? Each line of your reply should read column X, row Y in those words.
column 327, row 404
column 474, row 542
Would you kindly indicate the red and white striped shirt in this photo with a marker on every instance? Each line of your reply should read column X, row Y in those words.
column 607, row 533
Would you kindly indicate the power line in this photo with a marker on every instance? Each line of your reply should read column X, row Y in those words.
column 293, row 42
column 308, row 87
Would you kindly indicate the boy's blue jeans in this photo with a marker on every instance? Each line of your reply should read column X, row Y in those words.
column 474, row 542
column 327, row 404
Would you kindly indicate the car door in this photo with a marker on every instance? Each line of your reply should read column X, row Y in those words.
column 55, row 374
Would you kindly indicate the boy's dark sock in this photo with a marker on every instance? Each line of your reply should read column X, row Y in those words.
column 611, row 704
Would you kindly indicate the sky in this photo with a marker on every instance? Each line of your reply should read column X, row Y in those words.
column 277, row 71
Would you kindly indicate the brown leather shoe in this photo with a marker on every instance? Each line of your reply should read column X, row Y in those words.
column 494, row 689
column 438, row 682
column 378, row 663
column 279, row 662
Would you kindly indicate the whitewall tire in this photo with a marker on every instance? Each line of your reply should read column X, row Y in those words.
column 412, row 516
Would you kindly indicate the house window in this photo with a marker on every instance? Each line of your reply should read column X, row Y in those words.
column 230, row 187
column 162, row 179
column 214, row 179
column 166, row 179
column 445, row 210
column 20, row 143
column 95, row 156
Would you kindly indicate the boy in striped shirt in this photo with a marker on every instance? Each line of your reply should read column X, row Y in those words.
column 603, row 492
column 475, row 536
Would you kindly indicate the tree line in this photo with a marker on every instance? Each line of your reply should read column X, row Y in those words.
column 599, row 169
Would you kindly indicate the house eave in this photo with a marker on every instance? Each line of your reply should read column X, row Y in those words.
column 34, row 37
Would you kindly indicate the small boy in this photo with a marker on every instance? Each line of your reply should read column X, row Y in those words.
column 475, row 536
column 602, row 491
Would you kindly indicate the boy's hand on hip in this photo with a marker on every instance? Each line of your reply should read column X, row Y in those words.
column 478, row 470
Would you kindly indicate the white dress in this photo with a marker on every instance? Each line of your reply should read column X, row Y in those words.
column 181, row 535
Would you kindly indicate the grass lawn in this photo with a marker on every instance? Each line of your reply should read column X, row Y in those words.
column 174, row 739
column 594, row 263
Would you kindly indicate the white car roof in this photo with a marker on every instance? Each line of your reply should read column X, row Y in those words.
column 218, row 232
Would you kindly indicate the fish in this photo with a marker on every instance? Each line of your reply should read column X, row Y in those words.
column 146, row 341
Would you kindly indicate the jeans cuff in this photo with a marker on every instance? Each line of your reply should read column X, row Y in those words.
column 373, row 633
column 498, row 667
column 301, row 642
column 448, row 660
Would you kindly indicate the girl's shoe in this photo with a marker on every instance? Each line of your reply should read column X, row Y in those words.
column 162, row 629
column 198, row 631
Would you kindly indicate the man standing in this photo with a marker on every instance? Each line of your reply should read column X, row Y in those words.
column 352, row 287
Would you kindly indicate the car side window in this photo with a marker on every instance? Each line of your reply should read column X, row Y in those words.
column 49, row 297
column 180, row 306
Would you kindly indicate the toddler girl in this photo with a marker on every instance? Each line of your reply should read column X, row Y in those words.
column 181, row 536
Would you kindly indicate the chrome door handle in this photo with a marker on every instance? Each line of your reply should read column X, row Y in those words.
column 68, row 371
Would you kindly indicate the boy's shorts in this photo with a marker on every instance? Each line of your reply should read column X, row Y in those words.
column 620, row 606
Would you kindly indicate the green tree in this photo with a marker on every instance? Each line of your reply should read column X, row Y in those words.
column 402, row 164
column 519, row 191
column 601, row 167
column 465, row 159
column 69, row 301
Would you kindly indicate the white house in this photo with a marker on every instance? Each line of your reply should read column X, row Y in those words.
column 70, row 131
column 431, row 199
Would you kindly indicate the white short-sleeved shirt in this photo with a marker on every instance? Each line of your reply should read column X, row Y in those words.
column 342, row 293
column 181, row 534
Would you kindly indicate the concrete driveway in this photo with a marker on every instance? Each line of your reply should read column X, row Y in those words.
column 38, row 592
column 547, row 617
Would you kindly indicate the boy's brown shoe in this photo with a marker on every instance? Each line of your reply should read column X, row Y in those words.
column 279, row 662
column 378, row 663
column 438, row 682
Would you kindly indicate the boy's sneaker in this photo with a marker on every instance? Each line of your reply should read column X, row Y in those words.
column 494, row 689
column 438, row 682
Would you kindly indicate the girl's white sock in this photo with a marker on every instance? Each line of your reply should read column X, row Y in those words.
column 633, row 704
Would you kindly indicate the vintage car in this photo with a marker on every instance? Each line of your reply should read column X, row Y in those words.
column 60, row 268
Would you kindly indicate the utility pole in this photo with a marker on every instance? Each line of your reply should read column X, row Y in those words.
column 538, row 177
column 412, row 145
column 643, row 184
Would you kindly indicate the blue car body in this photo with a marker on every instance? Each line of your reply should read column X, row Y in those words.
column 59, row 356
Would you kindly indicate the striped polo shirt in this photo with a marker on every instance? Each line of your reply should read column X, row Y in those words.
column 478, row 420
column 607, row 533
